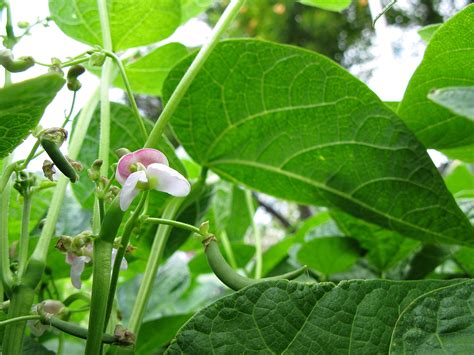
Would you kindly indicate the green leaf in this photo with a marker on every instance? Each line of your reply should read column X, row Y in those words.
column 460, row 182
column 459, row 100
column 132, row 23
column 427, row 32
column 444, row 65
column 21, row 107
column 159, row 332
column 192, row 8
column 123, row 134
column 329, row 255
column 331, row 5
column 147, row 74
column 385, row 248
column 465, row 153
column 293, row 124
column 426, row 260
column 354, row 317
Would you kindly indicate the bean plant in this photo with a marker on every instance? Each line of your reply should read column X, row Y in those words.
column 140, row 235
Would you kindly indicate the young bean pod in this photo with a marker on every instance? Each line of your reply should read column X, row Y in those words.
column 229, row 276
column 15, row 65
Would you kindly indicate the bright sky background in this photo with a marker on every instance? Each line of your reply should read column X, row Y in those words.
column 391, row 72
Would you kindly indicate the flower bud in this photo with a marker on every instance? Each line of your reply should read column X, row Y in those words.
column 124, row 336
column 48, row 170
column 12, row 65
column 94, row 171
column 23, row 24
column 204, row 228
column 97, row 59
column 64, row 243
column 75, row 164
column 121, row 152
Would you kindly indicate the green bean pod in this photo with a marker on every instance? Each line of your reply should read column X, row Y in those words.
column 59, row 159
column 229, row 276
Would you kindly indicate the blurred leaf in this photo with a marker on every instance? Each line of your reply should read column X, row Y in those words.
column 132, row 23
column 428, row 259
column 460, row 182
column 159, row 332
column 329, row 255
column 459, row 100
column 171, row 281
column 331, row 5
column 385, row 248
column 354, row 317
column 123, row 134
column 147, row 74
column 466, row 153
column 371, row 167
column 21, row 107
column 192, row 8
column 443, row 66
column 427, row 32
column 32, row 347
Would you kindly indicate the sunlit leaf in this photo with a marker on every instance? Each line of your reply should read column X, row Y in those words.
column 347, row 150
column 21, row 107
column 427, row 32
column 132, row 23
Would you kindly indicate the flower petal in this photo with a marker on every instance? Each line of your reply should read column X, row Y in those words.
column 144, row 156
column 77, row 267
column 123, row 263
column 163, row 178
column 130, row 190
column 148, row 156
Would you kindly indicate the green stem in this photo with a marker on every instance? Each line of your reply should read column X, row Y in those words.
column 170, row 222
column 104, row 144
column 257, row 235
column 127, row 232
column 60, row 344
column 5, row 272
column 19, row 319
column 159, row 243
column 228, row 249
column 74, row 62
column 24, row 234
column 8, row 169
column 226, row 19
column 128, row 88
column 101, row 276
column 30, row 156
column 20, row 305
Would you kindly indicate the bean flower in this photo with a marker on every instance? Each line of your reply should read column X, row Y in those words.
column 148, row 169
column 78, row 263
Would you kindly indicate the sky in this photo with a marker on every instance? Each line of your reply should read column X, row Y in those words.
column 391, row 69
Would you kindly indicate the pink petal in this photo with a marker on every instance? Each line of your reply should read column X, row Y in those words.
column 144, row 156
column 163, row 178
column 130, row 190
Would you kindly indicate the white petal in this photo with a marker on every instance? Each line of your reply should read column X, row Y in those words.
column 163, row 178
column 77, row 267
column 130, row 190
column 123, row 263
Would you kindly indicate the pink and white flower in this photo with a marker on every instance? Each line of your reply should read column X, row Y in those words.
column 148, row 169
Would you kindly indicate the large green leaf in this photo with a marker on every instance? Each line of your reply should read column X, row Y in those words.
column 445, row 64
column 459, row 100
column 385, row 248
column 21, row 108
column 147, row 74
column 123, row 134
column 293, row 124
column 355, row 317
column 132, row 23
column 331, row 5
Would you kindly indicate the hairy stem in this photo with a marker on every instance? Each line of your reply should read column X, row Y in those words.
column 159, row 243
column 256, row 234
column 24, row 234
column 127, row 232
column 128, row 89
column 5, row 272
column 170, row 222
column 168, row 111
column 19, row 319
